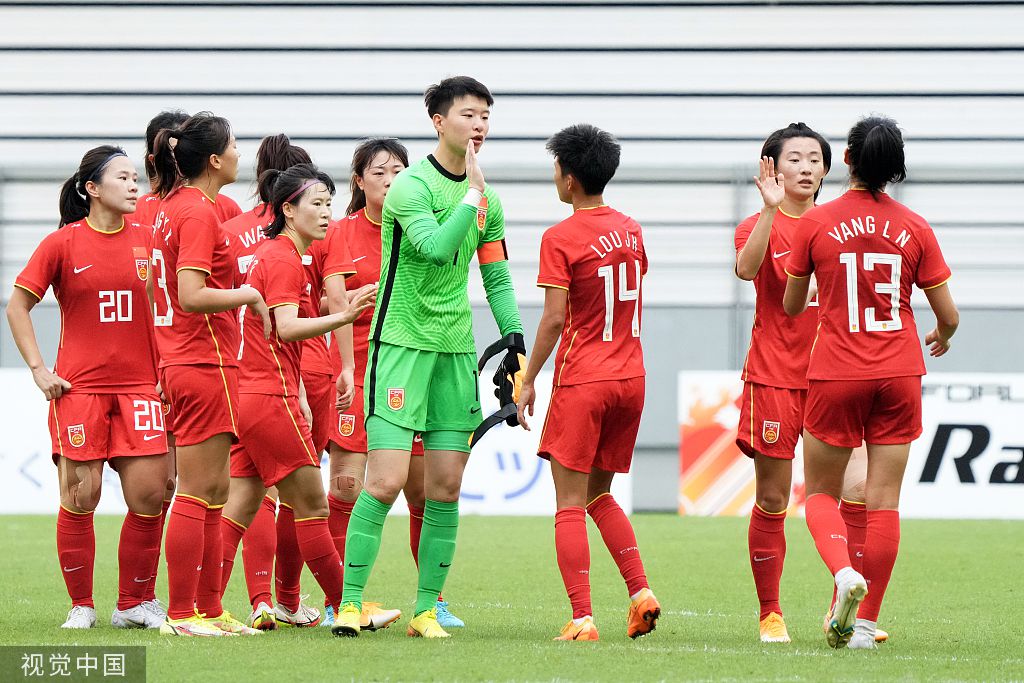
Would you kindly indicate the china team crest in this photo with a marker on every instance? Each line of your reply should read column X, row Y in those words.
column 481, row 214
column 770, row 432
column 142, row 268
column 396, row 399
column 76, row 435
column 346, row 424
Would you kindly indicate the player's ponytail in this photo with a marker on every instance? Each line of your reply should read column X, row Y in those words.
column 74, row 199
column 276, row 152
column 183, row 153
column 171, row 118
column 876, row 153
column 361, row 158
column 289, row 187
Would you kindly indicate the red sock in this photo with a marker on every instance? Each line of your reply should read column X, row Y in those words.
column 766, row 542
column 620, row 540
column 415, row 529
column 151, row 586
column 209, row 589
column 881, row 548
column 341, row 512
column 140, row 543
column 258, row 548
column 828, row 531
column 288, row 566
column 573, row 553
column 856, row 517
column 76, row 551
column 183, row 549
column 231, row 533
column 320, row 555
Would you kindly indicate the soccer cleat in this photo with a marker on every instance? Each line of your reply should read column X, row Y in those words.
column 154, row 606
column 773, row 629
column 227, row 623
column 849, row 595
column 881, row 636
column 643, row 615
column 192, row 626
column 135, row 617
column 864, row 632
column 346, row 622
column 262, row 618
column 585, row 631
column 80, row 617
column 303, row 617
column 328, row 619
column 375, row 617
column 446, row 618
column 424, row 625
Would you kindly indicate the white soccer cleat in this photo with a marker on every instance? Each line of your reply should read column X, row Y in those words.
column 851, row 588
column 135, row 617
column 303, row 617
column 80, row 617
column 863, row 635
column 263, row 618
column 154, row 606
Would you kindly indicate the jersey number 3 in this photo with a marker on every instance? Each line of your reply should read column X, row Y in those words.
column 625, row 294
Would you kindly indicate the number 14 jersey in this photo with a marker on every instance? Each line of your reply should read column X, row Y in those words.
column 597, row 255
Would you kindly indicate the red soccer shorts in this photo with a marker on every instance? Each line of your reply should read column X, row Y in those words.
column 846, row 413
column 204, row 399
column 168, row 417
column 274, row 437
column 771, row 420
column 348, row 429
column 103, row 426
column 320, row 394
column 593, row 425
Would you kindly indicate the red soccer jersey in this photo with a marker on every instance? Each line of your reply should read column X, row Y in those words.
column 246, row 231
column 353, row 248
column 866, row 255
column 226, row 208
column 189, row 236
column 272, row 366
column 598, row 256
column 146, row 210
column 780, row 345
column 99, row 280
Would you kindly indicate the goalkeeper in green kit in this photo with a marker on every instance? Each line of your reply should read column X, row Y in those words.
column 422, row 376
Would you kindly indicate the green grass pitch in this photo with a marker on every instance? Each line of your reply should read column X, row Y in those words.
column 952, row 610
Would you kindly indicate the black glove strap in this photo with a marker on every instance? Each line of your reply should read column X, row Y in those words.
column 508, row 411
column 512, row 342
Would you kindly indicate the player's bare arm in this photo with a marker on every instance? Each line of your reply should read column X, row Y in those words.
column 947, row 319
column 195, row 297
column 794, row 302
column 20, row 320
column 556, row 301
column 339, row 299
column 290, row 327
column 773, row 191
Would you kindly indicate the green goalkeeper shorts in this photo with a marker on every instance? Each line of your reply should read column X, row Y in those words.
column 424, row 391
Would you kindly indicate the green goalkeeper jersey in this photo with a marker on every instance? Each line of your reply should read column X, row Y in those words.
column 428, row 238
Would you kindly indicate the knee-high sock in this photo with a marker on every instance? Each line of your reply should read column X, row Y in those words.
column 259, row 546
column 76, row 552
column 828, row 530
column 415, row 531
column 766, row 543
column 880, row 550
column 209, row 589
column 320, row 555
column 140, row 543
column 341, row 512
column 288, row 565
column 151, row 586
column 620, row 540
column 573, row 553
column 856, row 517
column 184, row 552
column 231, row 534
column 362, row 544
column 437, row 551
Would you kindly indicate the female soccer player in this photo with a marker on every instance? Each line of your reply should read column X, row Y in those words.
column 275, row 436
column 104, row 405
column 356, row 243
column 867, row 252
column 197, row 337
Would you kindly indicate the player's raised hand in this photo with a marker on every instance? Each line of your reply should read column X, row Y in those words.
column 937, row 346
column 50, row 384
column 527, row 397
column 772, row 186
column 473, row 172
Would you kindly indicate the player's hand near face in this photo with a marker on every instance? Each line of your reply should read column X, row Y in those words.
column 473, row 172
column 527, row 397
column 50, row 384
column 772, row 186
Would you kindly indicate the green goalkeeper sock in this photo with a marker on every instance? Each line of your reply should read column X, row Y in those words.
column 362, row 544
column 437, row 550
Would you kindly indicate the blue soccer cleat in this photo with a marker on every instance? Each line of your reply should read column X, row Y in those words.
column 445, row 618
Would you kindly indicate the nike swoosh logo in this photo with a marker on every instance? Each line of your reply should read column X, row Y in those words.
column 79, row 270
column 150, row 437
column 779, row 255
column 763, row 559
column 74, row 569
column 474, row 411
column 137, row 580
column 444, row 565
column 358, row 259
column 357, row 566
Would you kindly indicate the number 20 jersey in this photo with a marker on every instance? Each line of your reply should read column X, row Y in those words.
column 597, row 255
column 867, row 254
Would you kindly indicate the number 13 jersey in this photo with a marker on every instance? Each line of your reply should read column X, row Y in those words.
column 597, row 255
